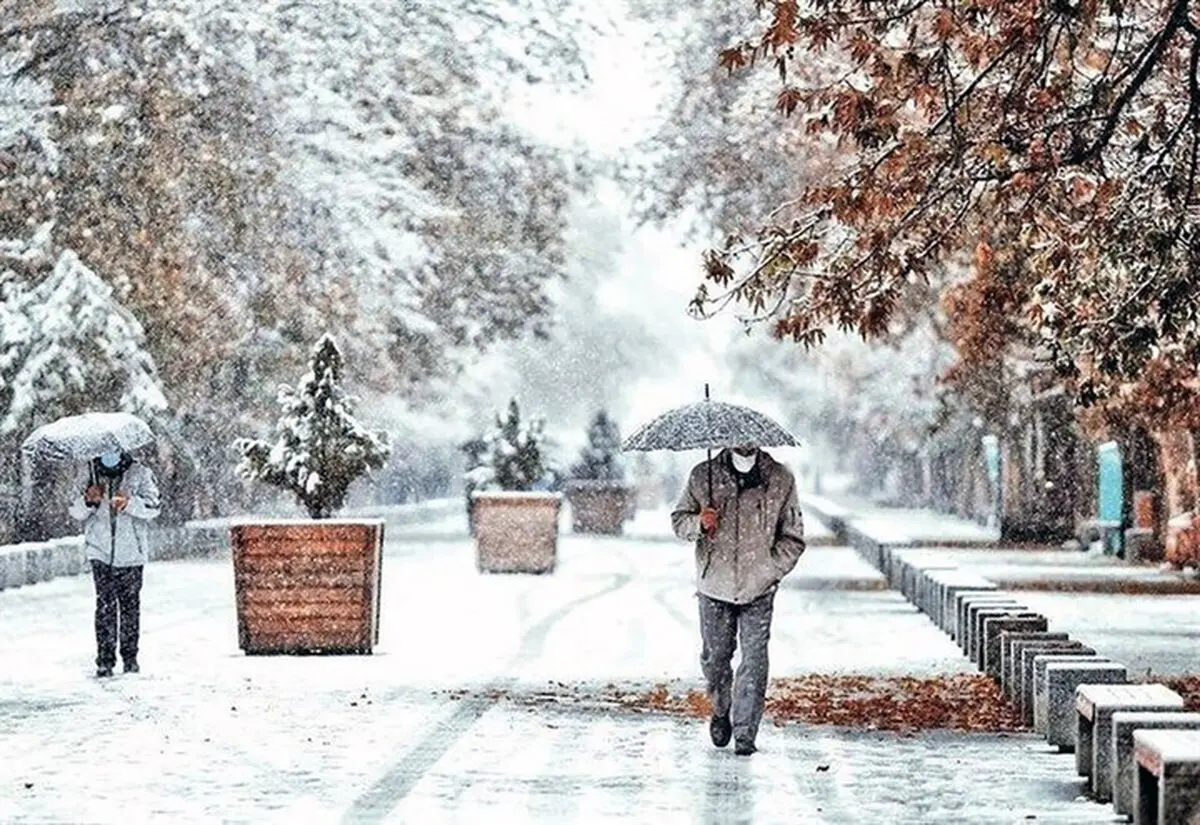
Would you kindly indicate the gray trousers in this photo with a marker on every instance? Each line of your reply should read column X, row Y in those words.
column 721, row 623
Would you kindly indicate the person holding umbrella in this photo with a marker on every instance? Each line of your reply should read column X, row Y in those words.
column 740, row 508
column 119, row 496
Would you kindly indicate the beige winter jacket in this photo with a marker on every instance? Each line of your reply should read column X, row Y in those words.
column 760, row 531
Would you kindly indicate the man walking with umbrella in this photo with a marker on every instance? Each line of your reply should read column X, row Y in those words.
column 118, row 497
column 740, row 508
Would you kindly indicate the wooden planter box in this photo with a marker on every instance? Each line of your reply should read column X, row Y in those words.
column 307, row 586
column 598, row 506
column 516, row 532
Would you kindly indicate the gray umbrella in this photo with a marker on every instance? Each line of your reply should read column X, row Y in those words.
column 83, row 437
column 709, row 425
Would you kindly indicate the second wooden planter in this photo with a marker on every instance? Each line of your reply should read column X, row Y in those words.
column 598, row 506
column 307, row 586
column 516, row 532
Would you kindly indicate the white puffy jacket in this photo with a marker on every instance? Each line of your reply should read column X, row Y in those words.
column 119, row 539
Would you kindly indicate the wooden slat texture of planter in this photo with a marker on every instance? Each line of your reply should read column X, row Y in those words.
column 516, row 532
column 598, row 507
column 308, row 586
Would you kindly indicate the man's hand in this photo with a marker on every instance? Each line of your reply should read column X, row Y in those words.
column 93, row 494
column 120, row 500
column 708, row 520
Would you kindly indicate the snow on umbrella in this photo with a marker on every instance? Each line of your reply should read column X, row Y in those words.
column 83, row 437
column 709, row 425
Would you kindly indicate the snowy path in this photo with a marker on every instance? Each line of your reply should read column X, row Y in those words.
column 206, row 734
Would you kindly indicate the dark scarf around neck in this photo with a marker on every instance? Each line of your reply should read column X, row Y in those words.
column 749, row 480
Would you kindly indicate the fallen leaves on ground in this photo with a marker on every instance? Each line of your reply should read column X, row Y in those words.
column 963, row 702
column 967, row 702
column 1186, row 686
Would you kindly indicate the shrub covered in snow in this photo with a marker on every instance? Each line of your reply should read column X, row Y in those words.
column 66, row 343
column 515, row 456
column 600, row 460
column 321, row 447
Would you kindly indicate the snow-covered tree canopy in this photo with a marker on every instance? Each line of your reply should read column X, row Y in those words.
column 320, row 448
column 66, row 344
column 247, row 175
column 350, row 162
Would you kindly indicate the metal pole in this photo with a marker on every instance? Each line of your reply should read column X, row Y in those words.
column 709, row 465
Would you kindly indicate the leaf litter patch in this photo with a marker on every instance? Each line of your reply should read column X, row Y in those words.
column 960, row 702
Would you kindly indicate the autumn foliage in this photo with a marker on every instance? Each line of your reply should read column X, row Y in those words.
column 1067, row 132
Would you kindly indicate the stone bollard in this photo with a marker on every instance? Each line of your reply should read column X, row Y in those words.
column 1062, row 680
column 33, row 563
column 993, row 628
column 976, row 626
column 1017, row 665
column 74, row 556
column 1010, row 649
column 1095, row 706
column 964, row 604
column 948, row 599
column 1037, row 676
column 15, row 561
column 1124, row 723
column 47, row 562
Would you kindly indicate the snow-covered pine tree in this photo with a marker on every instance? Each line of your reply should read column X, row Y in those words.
column 321, row 447
column 66, row 344
column 600, row 460
column 517, row 461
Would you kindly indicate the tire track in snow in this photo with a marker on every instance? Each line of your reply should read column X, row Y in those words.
column 378, row 801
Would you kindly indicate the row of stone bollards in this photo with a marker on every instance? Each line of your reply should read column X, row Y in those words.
column 1134, row 744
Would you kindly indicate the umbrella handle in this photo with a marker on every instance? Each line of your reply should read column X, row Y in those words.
column 710, row 493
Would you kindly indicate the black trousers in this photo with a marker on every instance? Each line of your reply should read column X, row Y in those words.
column 118, row 611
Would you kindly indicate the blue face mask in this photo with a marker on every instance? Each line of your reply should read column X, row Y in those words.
column 110, row 460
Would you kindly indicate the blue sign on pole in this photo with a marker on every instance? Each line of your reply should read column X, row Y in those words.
column 1111, row 497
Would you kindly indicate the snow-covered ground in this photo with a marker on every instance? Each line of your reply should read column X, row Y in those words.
column 206, row 734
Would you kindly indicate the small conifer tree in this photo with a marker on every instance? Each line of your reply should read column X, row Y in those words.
column 516, row 455
column 600, row 460
column 321, row 448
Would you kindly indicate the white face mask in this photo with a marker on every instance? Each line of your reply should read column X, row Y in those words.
column 744, row 463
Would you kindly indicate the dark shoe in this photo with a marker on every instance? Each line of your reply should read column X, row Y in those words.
column 103, row 672
column 131, row 666
column 744, row 747
column 720, row 730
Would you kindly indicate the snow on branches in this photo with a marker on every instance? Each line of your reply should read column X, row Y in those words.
column 66, row 344
column 511, row 458
column 321, row 448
